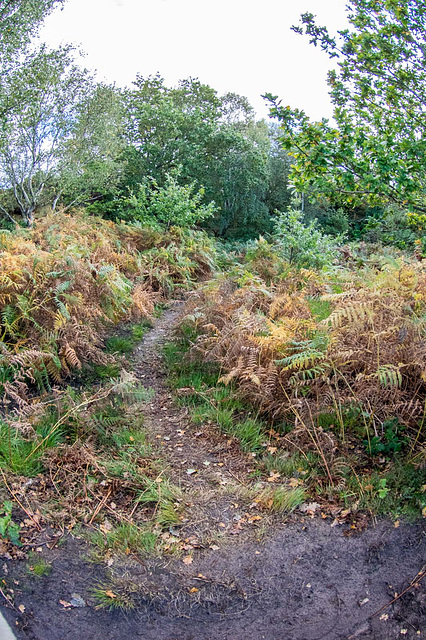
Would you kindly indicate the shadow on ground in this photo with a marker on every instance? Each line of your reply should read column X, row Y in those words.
column 307, row 582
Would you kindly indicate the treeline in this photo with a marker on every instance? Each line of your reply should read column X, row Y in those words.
column 67, row 140
column 186, row 155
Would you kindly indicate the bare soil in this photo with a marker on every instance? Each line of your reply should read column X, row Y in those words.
column 250, row 577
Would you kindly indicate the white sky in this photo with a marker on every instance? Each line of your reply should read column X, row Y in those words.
column 244, row 46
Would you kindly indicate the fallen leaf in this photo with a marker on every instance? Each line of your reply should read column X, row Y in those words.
column 254, row 518
column 273, row 477
column 106, row 526
column 21, row 608
column 110, row 594
column 190, row 472
column 193, row 590
column 188, row 560
column 396, row 524
column 65, row 604
column 294, row 482
column 77, row 601
column 309, row 507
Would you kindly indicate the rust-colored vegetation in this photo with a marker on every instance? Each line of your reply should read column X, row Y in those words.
column 65, row 282
column 335, row 360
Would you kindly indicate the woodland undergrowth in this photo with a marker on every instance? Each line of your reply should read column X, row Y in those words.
column 335, row 361
column 64, row 285
column 67, row 281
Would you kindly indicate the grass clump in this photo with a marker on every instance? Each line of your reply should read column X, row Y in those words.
column 119, row 594
column 160, row 494
column 210, row 401
column 126, row 539
column 292, row 465
column 119, row 344
column 282, row 499
column 38, row 566
column 399, row 491
column 140, row 330
column 123, row 344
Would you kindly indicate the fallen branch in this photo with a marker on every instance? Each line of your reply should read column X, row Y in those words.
column 414, row 583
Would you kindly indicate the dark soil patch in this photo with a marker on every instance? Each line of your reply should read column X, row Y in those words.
column 306, row 582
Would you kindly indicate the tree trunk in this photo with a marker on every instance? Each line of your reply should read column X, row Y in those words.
column 28, row 217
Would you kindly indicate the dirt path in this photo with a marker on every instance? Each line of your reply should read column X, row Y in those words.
column 209, row 467
column 297, row 580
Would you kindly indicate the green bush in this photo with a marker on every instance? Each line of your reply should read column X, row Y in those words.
column 170, row 205
column 303, row 245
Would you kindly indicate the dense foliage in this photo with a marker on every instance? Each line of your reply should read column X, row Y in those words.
column 18, row 21
column 334, row 360
column 322, row 336
column 67, row 280
column 374, row 152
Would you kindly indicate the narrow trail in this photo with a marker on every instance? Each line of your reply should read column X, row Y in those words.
column 300, row 579
column 209, row 467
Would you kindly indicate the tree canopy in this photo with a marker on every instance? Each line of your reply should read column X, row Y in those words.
column 18, row 21
column 375, row 151
column 208, row 140
column 56, row 132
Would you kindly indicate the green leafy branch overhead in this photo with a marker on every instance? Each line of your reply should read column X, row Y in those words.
column 375, row 152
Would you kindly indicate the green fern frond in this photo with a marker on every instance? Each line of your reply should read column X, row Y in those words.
column 389, row 376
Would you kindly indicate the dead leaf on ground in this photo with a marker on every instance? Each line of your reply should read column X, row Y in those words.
column 65, row 604
column 294, row 482
column 309, row 507
column 273, row 477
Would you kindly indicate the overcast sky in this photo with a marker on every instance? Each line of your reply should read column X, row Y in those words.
column 244, row 46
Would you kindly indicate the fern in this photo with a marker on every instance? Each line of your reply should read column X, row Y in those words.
column 307, row 375
column 305, row 353
column 389, row 375
column 352, row 313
